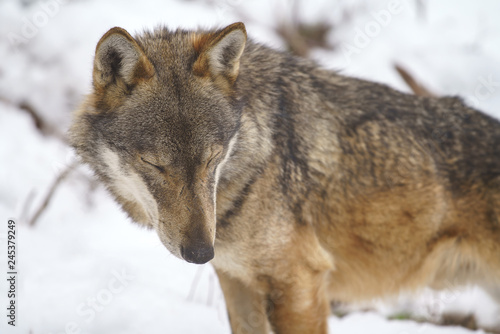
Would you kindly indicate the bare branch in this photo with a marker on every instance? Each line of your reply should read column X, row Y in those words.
column 27, row 204
column 43, row 126
column 60, row 178
column 416, row 87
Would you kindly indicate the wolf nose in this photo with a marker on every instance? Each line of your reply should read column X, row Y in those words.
column 198, row 255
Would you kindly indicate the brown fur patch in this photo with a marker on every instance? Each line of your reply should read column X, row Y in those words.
column 144, row 70
column 201, row 41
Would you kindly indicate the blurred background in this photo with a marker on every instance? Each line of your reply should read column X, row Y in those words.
column 83, row 267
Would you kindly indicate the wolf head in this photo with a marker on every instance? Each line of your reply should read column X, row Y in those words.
column 159, row 126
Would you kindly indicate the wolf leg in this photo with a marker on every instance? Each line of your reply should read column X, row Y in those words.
column 299, row 305
column 246, row 308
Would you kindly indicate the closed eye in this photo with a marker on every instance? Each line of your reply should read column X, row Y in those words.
column 212, row 159
column 159, row 168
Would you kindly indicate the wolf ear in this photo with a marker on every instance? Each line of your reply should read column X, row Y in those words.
column 220, row 52
column 118, row 57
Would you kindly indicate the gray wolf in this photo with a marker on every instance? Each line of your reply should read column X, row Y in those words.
column 299, row 184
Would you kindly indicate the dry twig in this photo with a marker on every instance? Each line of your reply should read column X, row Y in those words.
column 416, row 87
column 43, row 126
column 60, row 178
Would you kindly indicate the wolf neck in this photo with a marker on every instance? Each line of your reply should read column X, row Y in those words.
column 268, row 134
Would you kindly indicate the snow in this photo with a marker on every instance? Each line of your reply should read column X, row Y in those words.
column 85, row 268
column 360, row 323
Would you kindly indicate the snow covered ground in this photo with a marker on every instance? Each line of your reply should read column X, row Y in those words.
column 84, row 268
